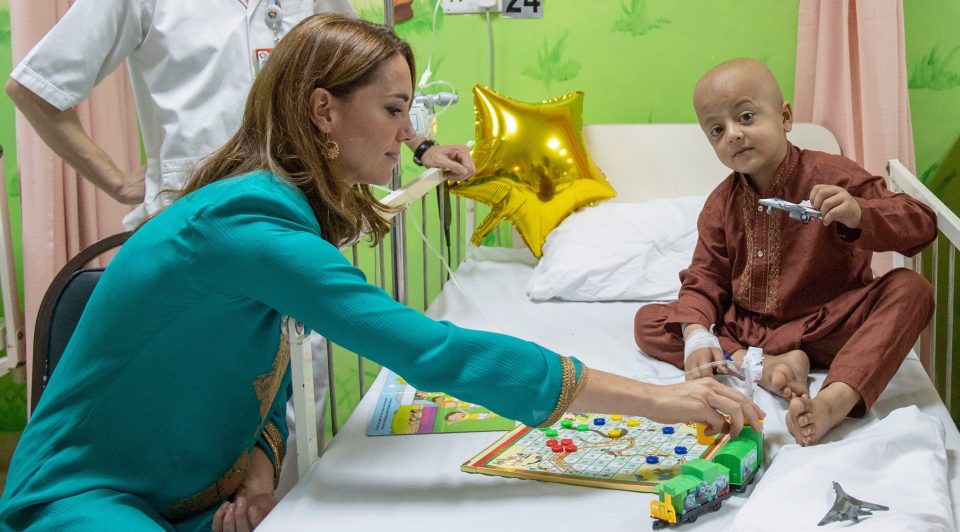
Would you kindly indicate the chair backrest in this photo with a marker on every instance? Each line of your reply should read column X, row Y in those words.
column 61, row 308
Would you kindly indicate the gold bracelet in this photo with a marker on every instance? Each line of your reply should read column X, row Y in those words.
column 567, row 384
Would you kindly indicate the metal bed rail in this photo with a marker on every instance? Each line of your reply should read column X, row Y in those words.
column 936, row 347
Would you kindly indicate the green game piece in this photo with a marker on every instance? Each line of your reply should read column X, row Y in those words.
column 543, row 429
column 566, row 423
column 551, row 433
column 582, row 427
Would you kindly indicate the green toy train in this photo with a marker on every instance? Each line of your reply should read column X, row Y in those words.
column 703, row 485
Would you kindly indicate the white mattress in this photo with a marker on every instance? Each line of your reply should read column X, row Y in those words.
column 414, row 482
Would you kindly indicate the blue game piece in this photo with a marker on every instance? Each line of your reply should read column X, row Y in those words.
column 653, row 459
column 680, row 449
column 599, row 421
column 668, row 430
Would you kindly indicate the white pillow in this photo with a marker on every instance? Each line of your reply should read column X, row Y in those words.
column 619, row 252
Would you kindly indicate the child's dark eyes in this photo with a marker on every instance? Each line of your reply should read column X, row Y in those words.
column 746, row 117
column 716, row 131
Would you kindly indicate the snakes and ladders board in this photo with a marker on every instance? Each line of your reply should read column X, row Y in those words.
column 605, row 451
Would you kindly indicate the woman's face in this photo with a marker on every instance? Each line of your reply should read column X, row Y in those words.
column 371, row 123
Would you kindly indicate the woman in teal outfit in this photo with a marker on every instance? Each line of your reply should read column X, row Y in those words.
column 166, row 411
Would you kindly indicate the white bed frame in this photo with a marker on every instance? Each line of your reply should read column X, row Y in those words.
column 680, row 158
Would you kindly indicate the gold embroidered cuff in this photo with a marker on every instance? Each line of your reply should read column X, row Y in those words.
column 581, row 382
column 277, row 446
column 568, row 383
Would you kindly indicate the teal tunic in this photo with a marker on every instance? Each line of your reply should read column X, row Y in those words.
column 174, row 369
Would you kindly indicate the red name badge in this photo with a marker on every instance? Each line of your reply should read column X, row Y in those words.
column 260, row 56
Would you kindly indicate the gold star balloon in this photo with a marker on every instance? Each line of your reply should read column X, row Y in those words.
column 532, row 166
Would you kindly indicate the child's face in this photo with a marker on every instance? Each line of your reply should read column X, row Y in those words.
column 744, row 122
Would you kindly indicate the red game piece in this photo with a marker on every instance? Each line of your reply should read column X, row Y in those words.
column 570, row 448
column 551, row 442
column 566, row 441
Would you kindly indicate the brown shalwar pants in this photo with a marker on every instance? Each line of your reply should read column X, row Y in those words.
column 862, row 336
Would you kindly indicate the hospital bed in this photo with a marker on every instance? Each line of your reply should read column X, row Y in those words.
column 902, row 454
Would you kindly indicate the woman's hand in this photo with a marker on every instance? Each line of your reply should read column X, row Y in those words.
column 252, row 502
column 453, row 159
column 705, row 401
column 701, row 401
column 836, row 205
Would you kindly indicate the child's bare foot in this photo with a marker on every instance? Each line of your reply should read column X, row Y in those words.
column 809, row 420
column 786, row 374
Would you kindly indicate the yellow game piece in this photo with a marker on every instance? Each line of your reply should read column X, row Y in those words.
column 616, row 417
column 632, row 422
column 702, row 438
column 615, row 433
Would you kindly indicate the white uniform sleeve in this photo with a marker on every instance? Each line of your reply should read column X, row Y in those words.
column 84, row 47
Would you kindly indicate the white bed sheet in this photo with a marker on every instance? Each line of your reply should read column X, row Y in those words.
column 414, row 482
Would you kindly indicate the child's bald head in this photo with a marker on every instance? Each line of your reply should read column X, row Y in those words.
column 744, row 75
column 742, row 111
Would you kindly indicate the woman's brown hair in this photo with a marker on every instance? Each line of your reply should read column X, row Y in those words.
column 327, row 51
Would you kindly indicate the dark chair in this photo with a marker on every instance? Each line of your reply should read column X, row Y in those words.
column 60, row 310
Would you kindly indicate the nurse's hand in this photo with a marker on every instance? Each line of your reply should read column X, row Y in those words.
column 131, row 189
column 453, row 159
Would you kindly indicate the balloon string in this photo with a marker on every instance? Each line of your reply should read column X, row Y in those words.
column 493, row 324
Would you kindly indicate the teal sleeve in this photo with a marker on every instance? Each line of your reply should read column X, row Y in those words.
column 274, row 444
column 265, row 245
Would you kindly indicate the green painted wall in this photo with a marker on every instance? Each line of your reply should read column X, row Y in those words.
column 933, row 69
column 635, row 60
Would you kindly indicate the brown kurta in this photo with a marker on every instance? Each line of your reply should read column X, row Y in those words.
column 769, row 281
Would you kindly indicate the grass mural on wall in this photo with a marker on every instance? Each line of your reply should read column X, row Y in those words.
column 935, row 71
column 635, row 20
column 551, row 65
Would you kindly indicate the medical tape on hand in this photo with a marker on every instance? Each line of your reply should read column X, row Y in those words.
column 752, row 369
column 699, row 339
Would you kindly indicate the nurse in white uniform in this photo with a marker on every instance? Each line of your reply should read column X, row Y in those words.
column 191, row 65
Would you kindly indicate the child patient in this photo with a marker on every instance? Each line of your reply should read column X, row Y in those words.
column 804, row 293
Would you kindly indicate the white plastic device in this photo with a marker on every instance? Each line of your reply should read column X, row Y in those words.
column 423, row 123
column 412, row 191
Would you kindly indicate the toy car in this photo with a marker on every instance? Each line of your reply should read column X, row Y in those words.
column 703, row 485
column 798, row 211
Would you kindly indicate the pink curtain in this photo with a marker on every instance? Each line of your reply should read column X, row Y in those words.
column 62, row 212
column 852, row 78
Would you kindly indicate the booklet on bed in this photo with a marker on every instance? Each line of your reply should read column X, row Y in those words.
column 402, row 409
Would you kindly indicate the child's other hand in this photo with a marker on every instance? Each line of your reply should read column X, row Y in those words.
column 704, row 355
column 836, row 205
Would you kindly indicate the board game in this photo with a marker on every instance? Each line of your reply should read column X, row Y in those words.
column 402, row 409
column 605, row 451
